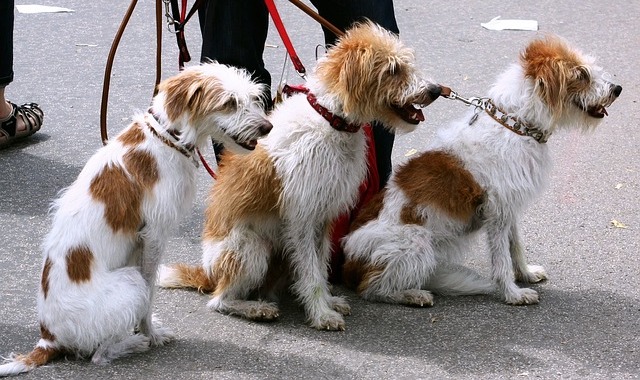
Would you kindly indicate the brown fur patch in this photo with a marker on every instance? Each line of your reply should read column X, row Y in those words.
column 133, row 136
column 46, row 334
column 79, row 262
column 358, row 275
column 557, row 70
column 193, row 277
column 369, row 211
column 225, row 270
column 40, row 356
column 439, row 180
column 247, row 186
column 44, row 280
column 121, row 194
column 196, row 94
column 409, row 215
column 143, row 167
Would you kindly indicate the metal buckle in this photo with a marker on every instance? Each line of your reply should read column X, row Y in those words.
column 172, row 25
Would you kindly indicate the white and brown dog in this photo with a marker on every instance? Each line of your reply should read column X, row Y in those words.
column 479, row 174
column 277, row 204
column 111, row 225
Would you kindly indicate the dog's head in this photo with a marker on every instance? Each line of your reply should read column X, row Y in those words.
column 215, row 100
column 568, row 84
column 371, row 75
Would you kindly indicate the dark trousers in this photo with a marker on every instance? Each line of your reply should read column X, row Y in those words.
column 234, row 32
column 6, row 42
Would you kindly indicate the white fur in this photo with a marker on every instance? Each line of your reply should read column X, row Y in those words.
column 512, row 170
column 98, row 317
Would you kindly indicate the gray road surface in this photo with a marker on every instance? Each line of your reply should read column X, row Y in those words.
column 588, row 321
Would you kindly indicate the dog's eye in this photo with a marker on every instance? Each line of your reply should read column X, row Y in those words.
column 230, row 105
column 583, row 74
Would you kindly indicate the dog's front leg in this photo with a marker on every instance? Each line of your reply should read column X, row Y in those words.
column 498, row 239
column 523, row 272
column 152, row 249
column 309, row 252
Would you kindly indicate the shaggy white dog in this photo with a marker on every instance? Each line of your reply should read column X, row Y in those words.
column 270, row 213
column 110, row 226
column 479, row 174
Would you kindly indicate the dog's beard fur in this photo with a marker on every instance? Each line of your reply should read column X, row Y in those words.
column 476, row 174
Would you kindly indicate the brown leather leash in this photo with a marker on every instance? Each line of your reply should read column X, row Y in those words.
column 178, row 21
column 110, row 58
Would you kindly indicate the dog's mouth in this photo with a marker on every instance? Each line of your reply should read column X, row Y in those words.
column 409, row 113
column 597, row 111
column 248, row 145
column 412, row 115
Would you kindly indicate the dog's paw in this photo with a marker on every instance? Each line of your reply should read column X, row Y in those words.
column 523, row 296
column 111, row 350
column 253, row 310
column 331, row 321
column 160, row 336
column 535, row 273
column 262, row 311
column 340, row 305
column 416, row 297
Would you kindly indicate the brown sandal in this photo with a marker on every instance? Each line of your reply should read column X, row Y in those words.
column 31, row 115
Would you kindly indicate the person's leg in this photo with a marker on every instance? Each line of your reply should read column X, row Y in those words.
column 6, row 42
column 234, row 33
column 15, row 121
column 342, row 14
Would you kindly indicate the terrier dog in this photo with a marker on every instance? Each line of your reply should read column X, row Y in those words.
column 271, row 211
column 478, row 175
column 111, row 225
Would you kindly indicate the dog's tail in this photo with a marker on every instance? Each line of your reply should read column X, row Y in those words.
column 185, row 276
column 42, row 354
column 458, row 280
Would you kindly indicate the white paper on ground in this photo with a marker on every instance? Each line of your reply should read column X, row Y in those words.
column 35, row 8
column 497, row 24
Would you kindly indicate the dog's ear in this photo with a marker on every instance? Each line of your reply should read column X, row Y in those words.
column 551, row 85
column 195, row 94
column 556, row 69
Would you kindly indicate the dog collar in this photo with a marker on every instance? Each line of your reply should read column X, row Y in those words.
column 336, row 122
column 186, row 151
column 511, row 123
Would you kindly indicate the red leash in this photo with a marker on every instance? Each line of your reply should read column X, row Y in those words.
column 206, row 165
column 277, row 21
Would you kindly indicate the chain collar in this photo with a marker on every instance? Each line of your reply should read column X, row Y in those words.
column 187, row 151
column 516, row 125
column 513, row 124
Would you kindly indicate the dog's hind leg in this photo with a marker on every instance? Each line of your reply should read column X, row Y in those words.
column 498, row 239
column 523, row 272
column 239, row 266
column 113, row 349
column 394, row 263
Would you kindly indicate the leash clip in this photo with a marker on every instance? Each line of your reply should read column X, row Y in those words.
column 173, row 26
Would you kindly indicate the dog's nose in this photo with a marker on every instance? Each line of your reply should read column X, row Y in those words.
column 617, row 90
column 265, row 127
column 434, row 91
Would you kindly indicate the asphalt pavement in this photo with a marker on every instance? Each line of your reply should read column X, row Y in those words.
column 584, row 230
